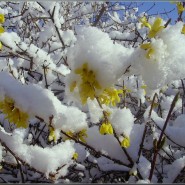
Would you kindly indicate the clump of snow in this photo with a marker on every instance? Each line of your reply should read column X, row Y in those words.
column 94, row 47
column 146, row 181
column 144, row 167
column 166, row 64
column 135, row 140
column 179, row 121
column 10, row 39
column 174, row 169
column 68, row 37
column 45, row 160
column 40, row 102
column 95, row 112
column 64, row 70
column 106, row 144
column 122, row 121
column 166, row 104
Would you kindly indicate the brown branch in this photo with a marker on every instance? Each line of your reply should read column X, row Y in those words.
column 145, row 129
column 157, row 148
column 95, row 151
column 100, row 15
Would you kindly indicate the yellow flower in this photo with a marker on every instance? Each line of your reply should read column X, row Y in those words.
column 1, row 30
column 14, row 114
column 75, row 156
column 89, row 84
column 86, row 91
column 106, row 128
column 72, row 86
column 2, row 19
column 110, row 96
column 155, row 28
column 144, row 22
column 1, row 45
column 150, row 50
column 180, row 7
column 144, row 88
column 52, row 135
column 68, row 133
column 183, row 29
column 126, row 142
column 82, row 134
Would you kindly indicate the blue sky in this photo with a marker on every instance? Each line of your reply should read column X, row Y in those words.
column 160, row 7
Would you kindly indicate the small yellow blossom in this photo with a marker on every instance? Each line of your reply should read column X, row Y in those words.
column 183, row 29
column 2, row 18
column 110, row 96
column 155, row 103
column 52, row 135
column 150, row 50
column 133, row 170
column 144, row 22
column 75, row 156
column 82, row 134
column 69, row 133
column 155, row 28
column 144, row 88
column 1, row 30
column 1, row 45
column 86, row 91
column 106, row 128
column 89, row 84
column 180, row 7
column 126, row 142
column 14, row 114
column 72, row 86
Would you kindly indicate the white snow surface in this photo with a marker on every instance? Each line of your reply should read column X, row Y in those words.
column 40, row 102
column 106, row 59
column 166, row 64
column 45, row 160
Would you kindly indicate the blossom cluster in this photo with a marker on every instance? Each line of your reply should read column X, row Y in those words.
column 90, row 94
